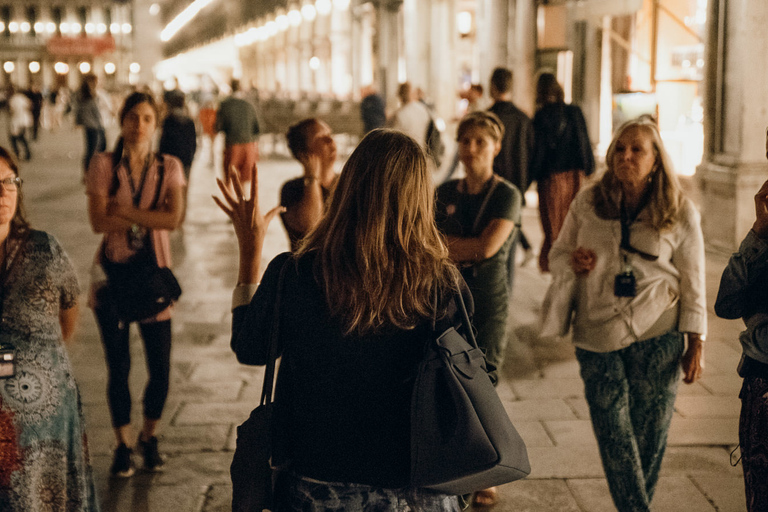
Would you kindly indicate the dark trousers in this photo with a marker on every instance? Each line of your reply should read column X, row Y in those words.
column 21, row 138
column 157, row 349
column 631, row 395
column 95, row 142
column 753, row 439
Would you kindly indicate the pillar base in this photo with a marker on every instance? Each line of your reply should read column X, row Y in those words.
column 727, row 191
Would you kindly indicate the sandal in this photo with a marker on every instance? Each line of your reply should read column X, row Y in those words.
column 485, row 498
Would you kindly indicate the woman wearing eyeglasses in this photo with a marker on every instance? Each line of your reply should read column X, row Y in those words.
column 44, row 461
column 634, row 243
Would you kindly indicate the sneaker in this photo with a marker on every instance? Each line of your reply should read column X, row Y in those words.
column 153, row 461
column 122, row 465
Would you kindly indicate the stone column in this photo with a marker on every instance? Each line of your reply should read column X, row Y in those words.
column 523, row 55
column 388, row 33
column 341, row 52
column 493, row 27
column 736, row 114
column 147, row 50
column 443, row 81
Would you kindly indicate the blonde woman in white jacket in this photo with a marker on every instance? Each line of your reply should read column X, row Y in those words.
column 633, row 242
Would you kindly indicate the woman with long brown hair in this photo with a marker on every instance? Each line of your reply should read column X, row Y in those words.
column 359, row 298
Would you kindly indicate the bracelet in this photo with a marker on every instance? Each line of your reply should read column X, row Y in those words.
column 309, row 179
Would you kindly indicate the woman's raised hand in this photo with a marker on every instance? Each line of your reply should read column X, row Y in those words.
column 250, row 225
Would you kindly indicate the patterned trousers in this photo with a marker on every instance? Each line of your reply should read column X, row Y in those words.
column 753, row 439
column 631, row 396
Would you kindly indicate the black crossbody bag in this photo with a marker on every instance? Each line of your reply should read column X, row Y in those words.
column 139, row 288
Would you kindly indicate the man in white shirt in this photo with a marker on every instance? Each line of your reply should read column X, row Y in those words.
column 413, row 117
column 20, row 118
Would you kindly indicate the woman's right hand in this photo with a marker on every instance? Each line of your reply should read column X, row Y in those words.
column 312, row 165
column 583, row 260
column 250, row 225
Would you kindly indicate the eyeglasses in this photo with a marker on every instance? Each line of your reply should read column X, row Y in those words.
column 11, row 184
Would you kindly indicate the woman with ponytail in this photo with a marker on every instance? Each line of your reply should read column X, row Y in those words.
column 135, row 197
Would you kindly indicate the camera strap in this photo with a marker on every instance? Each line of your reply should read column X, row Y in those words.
column 626, row 223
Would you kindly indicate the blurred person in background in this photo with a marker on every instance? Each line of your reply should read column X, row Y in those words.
column 562, row 158
column 44, row 461
column 372, row 109
column 134, row 208
column 237, row 118
column 178, row 136
column 311, row 143
column 88, row 115
column 19, row 121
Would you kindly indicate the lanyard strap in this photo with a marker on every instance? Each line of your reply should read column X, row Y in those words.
column 484, row 204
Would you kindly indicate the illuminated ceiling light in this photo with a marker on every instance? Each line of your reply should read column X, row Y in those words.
column 464, row 22
column 126, row 28
column 85, row 67
column 90, row 28
column 282, row 22
column 64, row 27
column 13, row 27
column 686, row 63
column 341, row 5
column 101, row 28
column 241, row 40
column 323, row 7
column 700, row 63
column 9, row 66
column 76, row 28
column 271, row 28
column 34, row 67
column 154, row 9
column 114, row 28
column 309, row 12
column 2, row 26
column 61, row 68
column 39, row 26
column 182, row 19
column 134, row 67
column 25, row 27
column 50, row 27
column 294, row 17
column 261, row 33
column 314, row 63
column 110, row 68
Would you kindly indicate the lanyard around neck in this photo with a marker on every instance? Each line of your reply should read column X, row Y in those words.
column 136, row 193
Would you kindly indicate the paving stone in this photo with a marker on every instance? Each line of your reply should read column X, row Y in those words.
column 703, row 431
column 565, row 462
column 698, row 460
column 536, row 496
column 563, row 370
column 543, row 409
column 728, row 385
column 726, row 493
column 548, row 388
column 720, row 358
column 218, row 499
column 579, row 407
column 533, row 433
column 673, row 494
column 219, row 391
column 213, row 413
column 571, row 432
column 707, row 406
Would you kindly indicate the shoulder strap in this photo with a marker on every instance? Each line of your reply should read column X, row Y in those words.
column 161, row 177
column 483, row 206
column 269, row 371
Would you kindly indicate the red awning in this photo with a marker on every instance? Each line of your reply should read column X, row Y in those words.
column 74, row 46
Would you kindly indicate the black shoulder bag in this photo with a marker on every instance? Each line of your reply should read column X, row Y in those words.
column 251, row 471
column 139, row 288
column 462, row 439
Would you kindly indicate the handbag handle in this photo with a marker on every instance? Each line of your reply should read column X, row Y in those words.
column 269, row 371
column 459, row 299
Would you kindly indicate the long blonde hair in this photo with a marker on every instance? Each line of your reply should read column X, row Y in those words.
column 666, row 197
column 380, row 256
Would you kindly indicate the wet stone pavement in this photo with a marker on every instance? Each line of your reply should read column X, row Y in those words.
column 211, row 393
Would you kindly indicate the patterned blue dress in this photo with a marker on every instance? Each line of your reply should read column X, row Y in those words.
column 44, row 463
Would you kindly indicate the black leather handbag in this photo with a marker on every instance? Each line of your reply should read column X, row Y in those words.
column 462, row 439
column 139, row 288
column 251, row 471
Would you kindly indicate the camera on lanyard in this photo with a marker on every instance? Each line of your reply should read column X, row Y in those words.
column 625, row 284
column 7, row 361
